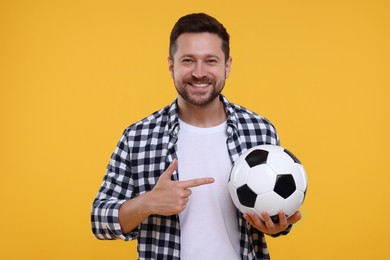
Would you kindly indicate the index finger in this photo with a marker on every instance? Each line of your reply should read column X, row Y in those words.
column 196, row 182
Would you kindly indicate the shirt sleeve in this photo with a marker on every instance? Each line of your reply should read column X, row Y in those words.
column 115, row 190
column 283, row 233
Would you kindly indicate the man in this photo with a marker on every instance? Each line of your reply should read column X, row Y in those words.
column 166, row 183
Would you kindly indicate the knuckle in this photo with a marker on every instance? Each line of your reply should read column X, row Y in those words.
column 182, row 194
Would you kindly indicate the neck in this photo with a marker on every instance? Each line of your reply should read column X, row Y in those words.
column 209, row 115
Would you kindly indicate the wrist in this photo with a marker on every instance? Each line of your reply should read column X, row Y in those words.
column 144, row 204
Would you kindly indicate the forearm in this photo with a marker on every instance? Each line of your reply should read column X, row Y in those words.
column 133, row 212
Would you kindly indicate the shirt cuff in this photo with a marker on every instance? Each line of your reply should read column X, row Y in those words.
column 111, row 221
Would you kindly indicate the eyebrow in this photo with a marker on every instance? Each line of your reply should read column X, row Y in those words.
column 194, row 56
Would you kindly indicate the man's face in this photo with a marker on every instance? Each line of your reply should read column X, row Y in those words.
column 199, row 68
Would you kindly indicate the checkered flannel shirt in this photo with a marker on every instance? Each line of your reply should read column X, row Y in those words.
column 144, row 151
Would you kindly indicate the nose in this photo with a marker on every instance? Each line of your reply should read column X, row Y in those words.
column 199, row 70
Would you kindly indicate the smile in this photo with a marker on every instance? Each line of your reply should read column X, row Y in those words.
column 200, row 85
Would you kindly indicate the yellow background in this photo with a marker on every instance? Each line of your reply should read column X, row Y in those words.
column 74, row 74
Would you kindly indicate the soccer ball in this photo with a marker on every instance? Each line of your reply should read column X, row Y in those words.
column 268, row 178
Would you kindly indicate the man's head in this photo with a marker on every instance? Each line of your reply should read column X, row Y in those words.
column 199, row 60
column 199, row 23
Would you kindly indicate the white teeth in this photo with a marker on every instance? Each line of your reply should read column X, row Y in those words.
column 200, row 85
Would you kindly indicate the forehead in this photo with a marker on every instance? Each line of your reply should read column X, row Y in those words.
column 199, row 44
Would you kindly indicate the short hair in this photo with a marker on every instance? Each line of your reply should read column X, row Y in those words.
column 199, row 23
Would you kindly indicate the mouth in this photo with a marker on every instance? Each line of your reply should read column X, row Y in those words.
column 199, row 85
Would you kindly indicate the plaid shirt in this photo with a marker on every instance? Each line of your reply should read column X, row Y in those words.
column 144, row 151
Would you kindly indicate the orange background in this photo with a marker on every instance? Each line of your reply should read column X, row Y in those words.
column 74, row 74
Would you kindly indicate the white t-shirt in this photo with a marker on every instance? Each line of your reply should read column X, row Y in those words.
column 209, row 224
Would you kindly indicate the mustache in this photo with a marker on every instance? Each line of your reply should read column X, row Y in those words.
column 203, row 80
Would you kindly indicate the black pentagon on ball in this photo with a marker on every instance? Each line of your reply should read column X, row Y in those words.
column 275, row 218
column 256, row 157
column 292, row 156
column 284, row 185
column 246, row 196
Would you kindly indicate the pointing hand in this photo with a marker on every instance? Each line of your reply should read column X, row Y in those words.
column 170, row 197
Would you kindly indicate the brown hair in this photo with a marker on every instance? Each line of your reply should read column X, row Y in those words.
column 199, row 23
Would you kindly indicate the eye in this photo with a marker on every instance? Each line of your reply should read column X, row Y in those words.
column 187, row 61
column 212, row 61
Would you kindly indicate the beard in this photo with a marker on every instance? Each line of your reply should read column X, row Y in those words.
column 200, row 96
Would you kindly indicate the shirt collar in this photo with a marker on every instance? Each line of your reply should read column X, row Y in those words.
column 231, row 115
column 173, row 117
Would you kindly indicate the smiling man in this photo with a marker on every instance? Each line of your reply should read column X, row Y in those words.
column 166, row 183
column 199, row 68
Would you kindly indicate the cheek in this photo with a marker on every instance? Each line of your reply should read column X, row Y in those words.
column 182, row 74
column 218, row 71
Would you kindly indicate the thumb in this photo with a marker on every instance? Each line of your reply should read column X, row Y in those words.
column 170, row 170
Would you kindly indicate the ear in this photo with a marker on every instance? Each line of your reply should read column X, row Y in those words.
column 228, row 67
column 170, row 66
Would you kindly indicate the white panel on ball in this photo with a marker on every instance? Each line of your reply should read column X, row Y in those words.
column 233, row 194
column 247, row 210
column 280, row 162
column 269, row 202
column 299, row 174
column 261, row 179
column 240, row 179
column 293, row 203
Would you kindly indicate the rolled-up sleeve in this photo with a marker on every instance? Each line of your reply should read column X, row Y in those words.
column 114, row 191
